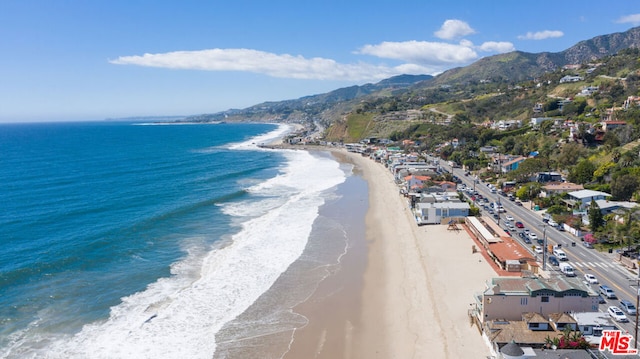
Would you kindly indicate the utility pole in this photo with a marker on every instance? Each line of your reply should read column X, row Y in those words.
column 637, row 304
column 544, row 247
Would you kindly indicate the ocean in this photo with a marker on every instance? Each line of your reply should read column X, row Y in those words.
column 134, row 240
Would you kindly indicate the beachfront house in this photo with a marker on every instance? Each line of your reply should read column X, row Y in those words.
column 508, row 297
column 440, row 212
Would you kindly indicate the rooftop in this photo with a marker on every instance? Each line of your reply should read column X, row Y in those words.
column 528, row 286
column 587, row 193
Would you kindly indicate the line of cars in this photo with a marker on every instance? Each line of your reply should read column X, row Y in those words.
column 617, row 313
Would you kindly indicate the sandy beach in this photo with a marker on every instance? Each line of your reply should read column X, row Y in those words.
column 415, row 292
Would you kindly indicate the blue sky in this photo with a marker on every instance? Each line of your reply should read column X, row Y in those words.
column 90, row 60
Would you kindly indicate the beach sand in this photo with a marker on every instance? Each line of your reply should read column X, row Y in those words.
column 415, row 292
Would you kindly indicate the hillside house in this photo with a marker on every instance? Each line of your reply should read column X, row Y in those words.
column 612, row 125
column 511, row 165
column 571, row 78
column 607, row 207
column 559, row 187
column 582, row 199
column 543, row 177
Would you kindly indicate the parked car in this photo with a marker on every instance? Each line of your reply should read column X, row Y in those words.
column 628, row 307
column 519, row 224
column 518, row 203
column 590, row 278
column 617, row 314
column 509, row 218
column 601, row 299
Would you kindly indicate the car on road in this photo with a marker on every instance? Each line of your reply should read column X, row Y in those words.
column 554, row 261
column 537, row 249
column 519, row 224
column 509, row 218
column 590, row 278
column 532, row 236
column 607, row 292
column 628, row 307
column 601, row 299
column 617, row 314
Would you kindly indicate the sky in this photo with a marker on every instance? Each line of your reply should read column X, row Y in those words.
column 74, row 60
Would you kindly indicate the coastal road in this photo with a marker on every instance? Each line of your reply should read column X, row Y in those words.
column 583, row 259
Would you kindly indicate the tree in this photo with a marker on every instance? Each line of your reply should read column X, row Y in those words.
column 582, row 172
column 528, row 168
column 570, row 153
column 623, row 187
column 596, row 220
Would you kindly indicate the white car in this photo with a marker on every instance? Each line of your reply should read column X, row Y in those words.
column 509, row 218
column 532, row 236
column 537, row 249
column 591, row 279
column 617, row 314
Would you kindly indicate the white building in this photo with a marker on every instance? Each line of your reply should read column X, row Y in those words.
column 434, row 213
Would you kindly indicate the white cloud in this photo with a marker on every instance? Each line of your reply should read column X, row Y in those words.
column 541, row 35
column 275, row 65
column 631, row 19
column 422, row 52
column 499, row 47
column 452, row 29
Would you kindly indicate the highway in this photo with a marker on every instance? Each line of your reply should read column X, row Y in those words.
column 583, row 259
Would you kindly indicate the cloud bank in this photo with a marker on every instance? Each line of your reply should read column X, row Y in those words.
column 633, row 19
column 248, row 60
column 415, row 57
column 541, row 35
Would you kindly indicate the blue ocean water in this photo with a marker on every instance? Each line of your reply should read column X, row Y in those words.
column 124, row 240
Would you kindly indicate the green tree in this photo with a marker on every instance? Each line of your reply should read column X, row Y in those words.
column 596, row 220
column 570, row 153
column 623, row 187
column 528, row 168
column 582, row 172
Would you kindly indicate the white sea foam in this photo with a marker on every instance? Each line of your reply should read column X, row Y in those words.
column 266, row 138
column 178, row 317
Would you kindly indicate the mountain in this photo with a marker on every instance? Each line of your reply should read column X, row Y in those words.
column 409, row 92
column 307, row 107
column 520, row 66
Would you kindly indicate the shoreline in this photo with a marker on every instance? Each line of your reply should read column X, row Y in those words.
column 417, row 285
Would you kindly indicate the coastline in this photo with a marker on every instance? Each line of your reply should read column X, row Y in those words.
column 416, row 290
